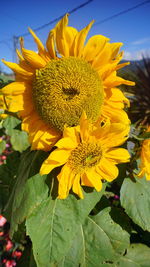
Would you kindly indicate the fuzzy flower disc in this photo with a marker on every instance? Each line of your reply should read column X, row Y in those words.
column 64, row 88
column 86, row 155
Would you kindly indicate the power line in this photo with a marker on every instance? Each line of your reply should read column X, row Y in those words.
column 121, row 13
column 49, row 23
column 56, row 19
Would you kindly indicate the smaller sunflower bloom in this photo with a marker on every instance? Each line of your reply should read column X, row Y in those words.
column 145, row 159
column 88, row 155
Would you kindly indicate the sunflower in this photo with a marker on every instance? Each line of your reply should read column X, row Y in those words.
column 88, row 154
column 145, row 158
column 54, row 86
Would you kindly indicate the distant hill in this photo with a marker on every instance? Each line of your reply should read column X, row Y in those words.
column 133, row 64
column 7, row 76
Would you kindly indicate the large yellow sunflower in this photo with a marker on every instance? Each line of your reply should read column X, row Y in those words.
column 55, row 85
column 145, row 159
column 89, row 155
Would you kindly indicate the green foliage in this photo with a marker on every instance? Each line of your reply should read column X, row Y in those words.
column 2, row 145
column 55, row 224
column 100, row 230
column 18, row 138
column 135, row 198
column 4, row 81
column 136, row 255
column 8, row 174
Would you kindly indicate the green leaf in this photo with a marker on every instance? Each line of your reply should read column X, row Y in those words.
column 10, row 123
column 8, row 174
column 19, row 140
column 34, row 192
column 2, row 146
column 135, row 198
column 100, row 242
column 54, row 224
column 119, row 238
column 137, row 255
column 29, row 166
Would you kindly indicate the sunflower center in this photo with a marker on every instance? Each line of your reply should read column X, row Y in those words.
column 63, row 89
column 85, row 155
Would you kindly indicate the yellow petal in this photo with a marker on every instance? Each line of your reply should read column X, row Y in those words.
column 70, row 34
column 115, row 47
column 76, row 188
column 84, row 127
column 103, row 57
column 44, row 138
column 33, row 58
column 108, row 170
column 47, row 166
column 16, row 103
column 115, row 115
column 94, row 46
column 61, row 42
column 66, row 143
column 57, row 158
column 19, row 55
column 64, row 180
column 50, row 44
column 19, row 70
column 60, row 155
column 80, row 39
column 94, row 179
column 45, row 142
column 118, row 155
column 42, row 52
column 118, row 97
column 85, row 181
column 14, row 88
column 113, row 81
column 73, row 134
column 108, row 135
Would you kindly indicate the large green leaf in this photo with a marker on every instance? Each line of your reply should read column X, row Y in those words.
column 34, row 192
column 137, row 255
column 29, row 166
column 100, row 242
column 116, row 231
column 135, row 198
column 54, row 224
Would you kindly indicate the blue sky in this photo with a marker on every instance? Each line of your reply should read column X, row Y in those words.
column 132, row 28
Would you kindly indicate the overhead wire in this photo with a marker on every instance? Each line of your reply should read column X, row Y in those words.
column 50, row 22
column 121, row 13
column 16, row 38
column 56, row 19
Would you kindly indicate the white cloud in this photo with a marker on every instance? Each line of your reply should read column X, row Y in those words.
column 136, row 55
column 141, row 41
